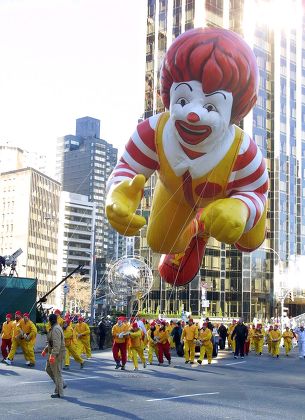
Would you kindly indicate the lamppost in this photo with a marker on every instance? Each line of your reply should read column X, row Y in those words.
column 66, row 286
column 93, row 270
column 284, row 291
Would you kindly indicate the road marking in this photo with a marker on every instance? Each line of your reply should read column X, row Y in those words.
column 184, row 396
column 234, row 363
column 68, row 379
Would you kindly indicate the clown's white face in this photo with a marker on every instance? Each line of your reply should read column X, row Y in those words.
column 199, row 118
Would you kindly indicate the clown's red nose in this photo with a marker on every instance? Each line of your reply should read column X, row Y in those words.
column 192, row 117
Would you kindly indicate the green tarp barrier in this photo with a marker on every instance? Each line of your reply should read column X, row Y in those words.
column 17, row 293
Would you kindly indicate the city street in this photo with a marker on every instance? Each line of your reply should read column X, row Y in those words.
column 253, row 388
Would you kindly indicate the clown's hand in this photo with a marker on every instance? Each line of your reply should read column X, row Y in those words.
column 225, row 219
column 122, row 202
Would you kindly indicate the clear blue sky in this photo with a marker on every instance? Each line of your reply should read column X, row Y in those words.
column 64, row 59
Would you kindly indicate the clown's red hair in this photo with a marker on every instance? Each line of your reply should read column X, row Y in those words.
column 219, row 59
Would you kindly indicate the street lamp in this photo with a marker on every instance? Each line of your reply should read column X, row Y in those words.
column 66, row 286
column 284, row 291
column 93, row 269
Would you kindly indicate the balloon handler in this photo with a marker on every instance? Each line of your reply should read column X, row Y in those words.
column 212, row 178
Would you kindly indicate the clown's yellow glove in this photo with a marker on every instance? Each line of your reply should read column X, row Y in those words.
column 122, row 202
column 225, row 219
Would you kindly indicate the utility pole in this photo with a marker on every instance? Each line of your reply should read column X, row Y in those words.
column 66, row 284
column 93, row 270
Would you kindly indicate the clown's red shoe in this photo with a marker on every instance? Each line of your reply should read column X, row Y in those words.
column 180, row 269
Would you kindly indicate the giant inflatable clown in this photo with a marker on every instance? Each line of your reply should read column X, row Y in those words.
column 212, row 178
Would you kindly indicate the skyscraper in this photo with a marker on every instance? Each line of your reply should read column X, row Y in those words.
column 29, row 210
column 75, row 237
column 83, row 165
column 233, row 283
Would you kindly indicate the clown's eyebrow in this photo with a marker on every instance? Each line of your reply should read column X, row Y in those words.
column 210, row 94
column 183, row 83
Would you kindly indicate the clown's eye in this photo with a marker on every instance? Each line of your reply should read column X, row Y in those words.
column 210, row 107
column 182, row 101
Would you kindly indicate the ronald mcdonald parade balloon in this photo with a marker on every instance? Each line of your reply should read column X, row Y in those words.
column 212, row 178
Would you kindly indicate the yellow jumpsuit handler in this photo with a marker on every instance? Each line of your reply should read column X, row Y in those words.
column 30, row 333
column 269, row 340
column 170, row 328
column 189, row 337
column 152, row 345
column 71, row 345
column 24, row 336
column 206, row 346
column 258, row 338
column 231, row 342
column 275, row 337
column 288, row 336
column 82, row 332
column 136, row 345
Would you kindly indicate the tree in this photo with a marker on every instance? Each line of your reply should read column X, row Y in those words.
column 79, row 295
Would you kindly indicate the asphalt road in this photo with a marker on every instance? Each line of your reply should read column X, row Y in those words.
column 253, row 388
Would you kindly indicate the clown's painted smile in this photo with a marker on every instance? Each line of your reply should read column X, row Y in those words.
column 192, row 134
column 200, row 120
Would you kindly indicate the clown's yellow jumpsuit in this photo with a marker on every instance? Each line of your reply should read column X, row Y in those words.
column 207, row 346
column 172, row 203
column 152, row 347
column 82, row 332
column 275, row 337
column 71, row 346
column 259, row 337
column 287, row 336
column 136, row 347
column 189, row 336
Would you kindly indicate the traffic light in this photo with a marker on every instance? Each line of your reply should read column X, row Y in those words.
column 290, row 296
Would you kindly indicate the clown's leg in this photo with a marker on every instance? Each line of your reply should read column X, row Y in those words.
column 172, row 230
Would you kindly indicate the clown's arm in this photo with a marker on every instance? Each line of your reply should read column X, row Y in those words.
column 240, row 218
column 126, row 183
column 249, row 184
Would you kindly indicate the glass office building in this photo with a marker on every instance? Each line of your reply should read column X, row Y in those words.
column 235, row 283
column 83, row 165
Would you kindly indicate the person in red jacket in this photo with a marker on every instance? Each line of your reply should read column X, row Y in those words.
column 7, row 333
column 119, row 347
column 162, row 339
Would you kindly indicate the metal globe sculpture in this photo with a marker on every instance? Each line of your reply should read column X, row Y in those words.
column 130, row 278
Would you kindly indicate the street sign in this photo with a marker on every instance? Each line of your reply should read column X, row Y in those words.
column 66, row 289
column 205, row 303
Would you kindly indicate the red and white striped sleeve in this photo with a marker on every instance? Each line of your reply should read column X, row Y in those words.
column 249, row 180
column 140, row 156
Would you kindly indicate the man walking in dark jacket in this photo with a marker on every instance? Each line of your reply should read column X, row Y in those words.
column 210, row 326
column 223, row 332
column 102, row 333
column 240, row 334
column 176, row 334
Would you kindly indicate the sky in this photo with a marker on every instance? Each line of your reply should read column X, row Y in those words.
column 65, row 59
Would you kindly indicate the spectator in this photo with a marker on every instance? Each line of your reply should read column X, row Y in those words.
column 301, row 341
column 240, row 333
column 222, row 331
column 176, row 334
column 102, row 333
column 209, row 324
